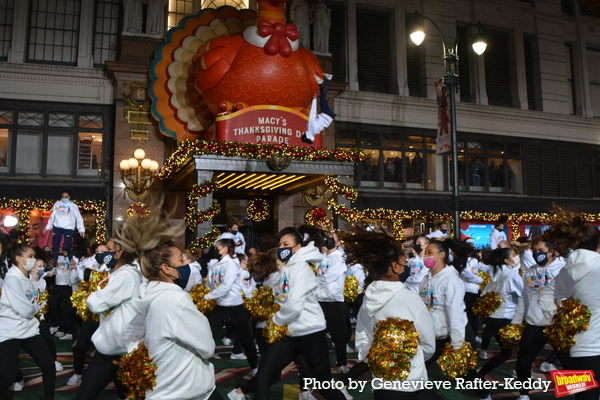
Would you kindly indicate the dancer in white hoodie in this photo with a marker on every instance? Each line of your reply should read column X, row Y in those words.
column 415, row 264
column 387, row 297
column 64, row 219
column 535, row 280
column 176, row 334
column 578, row 280
column 113, row 303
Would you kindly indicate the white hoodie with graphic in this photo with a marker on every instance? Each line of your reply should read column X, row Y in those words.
column 393, row 300
column 179, row 342
column 443, row 295
column 18, row 306
column 331, row 274
column 225, row 282
column 509, row 286
column 579, row 280
column 358, row 271
column 296, row 292
column 418, row 271
column 66, row 216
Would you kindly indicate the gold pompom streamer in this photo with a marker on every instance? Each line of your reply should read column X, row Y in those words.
column 510, row 335
column 137, row 372
column 274, row 333
column 79, row 298
column 457, row 363
column 197, row 294
column 313, row 267
column 487, row 304
column 350, row 288
column 486, row 279
column 571, row 318
column 262, row 304
column 395, row 342
column 43, row 298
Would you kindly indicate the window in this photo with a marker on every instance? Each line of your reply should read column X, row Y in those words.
column 464, row 66
column 239, row 4
column 178, row 10
column 374, row 51
column 51, row 143
column 529, row 72
column 105, row 31
column 498, row 76
column 571, row 78
column 7, row 9
column 414, row 64
column 593, row 56
column 337, row 40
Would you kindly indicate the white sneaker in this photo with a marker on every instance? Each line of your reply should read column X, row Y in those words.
column 328, row 335
column 233, row 395
column 58, row 366
column 18, row 386
column 66, row 336
column 344, row 369
column 216, row 356
column 306, row 395
column 345, row 393
column 254, row 372
column 240, row 356
column 226, row 341
column 514, row 373
column 352, row 320
column 483, row 355
column 523, row 397
column 59, row 334
column 477, row 339
column 53, row 330
column 92, row 353
column 349, row 349
column 489, row 397
column 547, row 367
column 74, row 380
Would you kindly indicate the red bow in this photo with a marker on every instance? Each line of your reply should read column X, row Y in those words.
column 279, row 35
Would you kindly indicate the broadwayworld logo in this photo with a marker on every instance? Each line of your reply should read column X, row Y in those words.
column 569, row 382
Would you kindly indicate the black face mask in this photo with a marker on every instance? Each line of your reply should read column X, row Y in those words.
column 499, row 229
column 48, row 252
column 216, row 254
column 404, row 275
column 107, row 258
column 184, row 276
column 418, row 249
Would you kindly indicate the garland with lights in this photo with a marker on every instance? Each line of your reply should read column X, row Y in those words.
column 316, row 217
column 336, row 186
column 205, row 241
column 23, row 208
column 188, row 148
column 203, row 189
column 258, row 209
column 137, row 208
column 194, row 217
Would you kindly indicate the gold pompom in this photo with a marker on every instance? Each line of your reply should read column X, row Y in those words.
column 486, row 279
column 487, row 304
column 137, row 372
column 350, row 288
column 456, row 363
column 274, row 333
column 571, row 318
column 42, row 299
column 262, row 304
column 79, row 298
column 510, row 335
column 197, row 294
column 313, row 267
column 395, row 342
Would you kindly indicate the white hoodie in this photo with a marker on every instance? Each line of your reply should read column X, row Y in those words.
column 496, row 237
column 225, row 282
column 358, row 271
column 65, row 276
column 443, row 294
column 418, row 271
column 579, row 280
column 65, row 216
column 535, row 280
column 296, row 292
column 179, row 342
column 331, row 274
column 509, row 286
column 470, row 276
column 18, row 306
column 393, row 300
column 122, row 288
column 238, row 240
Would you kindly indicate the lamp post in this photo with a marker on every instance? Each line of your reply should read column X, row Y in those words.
column 138, row 175
column 451, row 81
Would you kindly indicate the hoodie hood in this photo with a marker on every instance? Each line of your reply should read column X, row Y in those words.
column 379, row 293
column 581, row 262
column 149, row 292
column 307, row 254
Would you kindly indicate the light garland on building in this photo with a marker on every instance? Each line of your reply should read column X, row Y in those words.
column 194, row 217
column 137, row 208
column 258, row 210
column 205, row 241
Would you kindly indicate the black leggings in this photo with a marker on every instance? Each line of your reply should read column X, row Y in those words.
column 45, row 332
column 426, row 394
column 101, row 371
column 38, row 350
column 495, row 325
column 279, row 354
column 336, row 318
column 59, row 305
column 84, row 343
column 470, row 300
column 532, row 342
column 237, row 318
column 355, row 305
column 356, row 371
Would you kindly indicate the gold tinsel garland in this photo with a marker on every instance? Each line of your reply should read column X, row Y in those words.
column 487, row 304
column 262, row 304
column 486, row 279
column 43, row 298
column 510, row 335
column 350, row 288
column 137, row 372
column 571, row 318
column 395, row 342
column 274, row 333
column 456, row 363
column 197, row 294
column 79, row 298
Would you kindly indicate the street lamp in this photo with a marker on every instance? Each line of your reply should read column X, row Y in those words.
column 138, row 175
column 452, row 82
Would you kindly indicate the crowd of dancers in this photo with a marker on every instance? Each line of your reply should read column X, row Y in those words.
column 432, row 281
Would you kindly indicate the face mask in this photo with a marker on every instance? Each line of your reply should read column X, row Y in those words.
column 516, row 261
column 184, row 276
column 29, row 263
column 40, row 272
column 65, row 200
column 499, row 229
column 429, row 262
column 404, row 275
column 444, row 230
column 49, row 252
column 107, row 258
column 418, row 249
column 284, row 253
column 234, row 233
column 541, row 258
column 216, row 253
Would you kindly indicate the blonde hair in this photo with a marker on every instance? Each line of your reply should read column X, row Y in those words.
column 150, row 237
